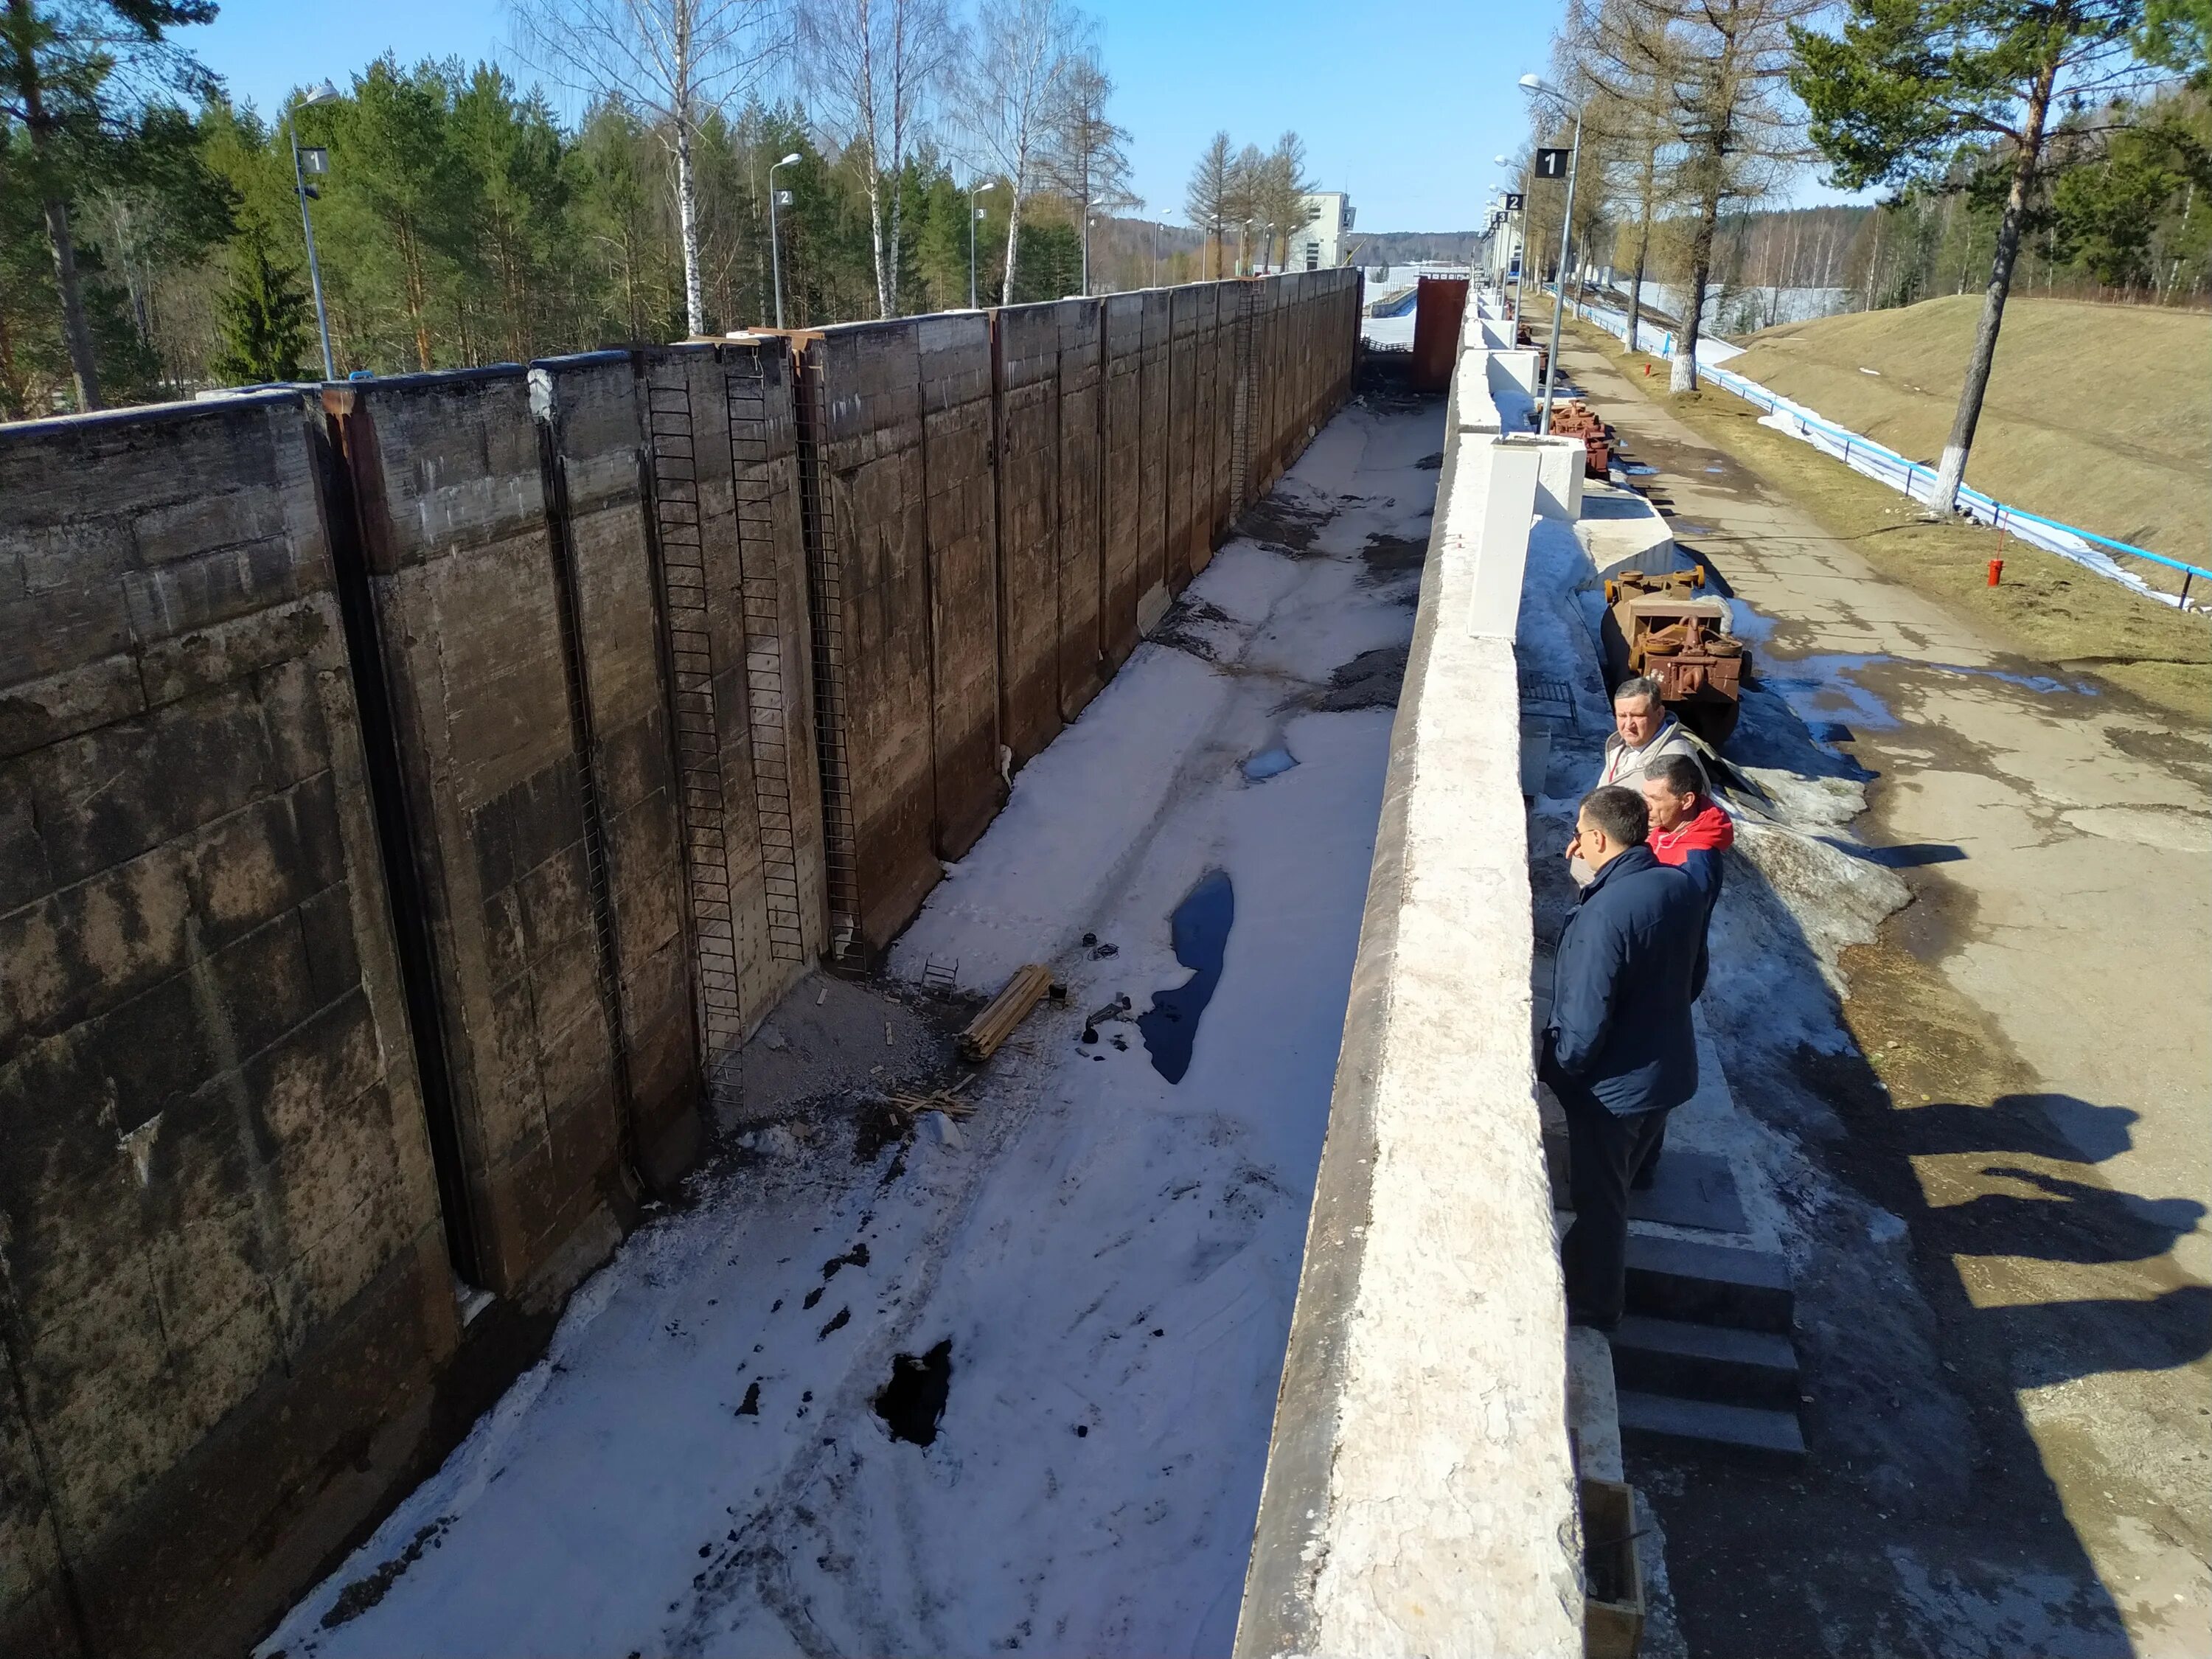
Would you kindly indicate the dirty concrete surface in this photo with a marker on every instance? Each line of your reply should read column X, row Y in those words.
column 2002, row 1153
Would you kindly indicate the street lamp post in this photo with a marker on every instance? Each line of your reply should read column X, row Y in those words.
column 1536, row 84
column 774, row 240
column 1156, row 253
column 1267, row 245
column 974, row 213
column 1518, row 237
column 1088, row 208
column 317, row 160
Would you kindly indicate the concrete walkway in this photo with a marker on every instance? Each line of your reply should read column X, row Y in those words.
column 2037, row 1111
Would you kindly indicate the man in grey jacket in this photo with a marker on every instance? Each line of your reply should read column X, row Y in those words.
column 1618, row 1049
column 1643, row 731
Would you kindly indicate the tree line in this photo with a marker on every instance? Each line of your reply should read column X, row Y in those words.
column 1257, row 195
column 151, row 240
column 2068, row 141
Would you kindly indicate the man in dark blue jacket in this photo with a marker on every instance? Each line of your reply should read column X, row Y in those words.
column 1619, row 1051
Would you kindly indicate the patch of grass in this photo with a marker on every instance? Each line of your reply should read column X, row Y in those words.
column 2047, row 608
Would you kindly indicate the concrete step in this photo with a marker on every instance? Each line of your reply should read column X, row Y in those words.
column 1709, row 1284
column 1691, row 1189
column 1705, row 1361
column 1749, row 1429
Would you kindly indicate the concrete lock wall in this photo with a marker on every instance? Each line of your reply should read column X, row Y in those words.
column 505, row 560
column 1001, row 503
column 411, row 794
column 1420, row 1494
column 217, row 1211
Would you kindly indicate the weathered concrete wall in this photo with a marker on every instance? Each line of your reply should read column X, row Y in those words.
column 218, row 1219
column 1124, row 488
column 1000, row 497
column 959, row 472
column 860, row 414
column 1027, row 364
column 1082, row 475
column 1419, row 1495
column 409, row 796
column 722, row 452
column 467, row 515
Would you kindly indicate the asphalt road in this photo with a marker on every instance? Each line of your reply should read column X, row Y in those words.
column 2025, row 1469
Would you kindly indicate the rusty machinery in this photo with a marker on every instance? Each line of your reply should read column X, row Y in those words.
column 1576, row 419
column 1664, row 625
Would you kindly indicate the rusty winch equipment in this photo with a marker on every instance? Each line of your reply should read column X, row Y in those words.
column 1576, row 419
column 1664, row 625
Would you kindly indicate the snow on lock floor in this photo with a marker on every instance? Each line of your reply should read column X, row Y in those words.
column 699, row 1465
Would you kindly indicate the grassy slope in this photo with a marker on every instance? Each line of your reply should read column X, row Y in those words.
column 2048, row 609
column 2097, row 416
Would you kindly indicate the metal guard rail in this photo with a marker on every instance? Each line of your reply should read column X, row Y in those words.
column 1892, row 469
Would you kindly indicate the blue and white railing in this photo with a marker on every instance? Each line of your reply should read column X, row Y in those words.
column 1862, row 454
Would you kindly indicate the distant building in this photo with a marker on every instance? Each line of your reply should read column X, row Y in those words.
column 1319, row 244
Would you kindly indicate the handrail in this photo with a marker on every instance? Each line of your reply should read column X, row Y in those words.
column 1973, row 502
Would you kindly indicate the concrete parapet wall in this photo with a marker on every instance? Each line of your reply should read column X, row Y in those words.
column 217, row 1213
column 1420, row 1494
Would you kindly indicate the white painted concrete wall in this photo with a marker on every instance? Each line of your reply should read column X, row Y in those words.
column 1419, row 1495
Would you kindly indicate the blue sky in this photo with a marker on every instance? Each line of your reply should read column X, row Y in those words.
column 1405, row 117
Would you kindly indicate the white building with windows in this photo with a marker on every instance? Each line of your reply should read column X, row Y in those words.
column 1320, row 243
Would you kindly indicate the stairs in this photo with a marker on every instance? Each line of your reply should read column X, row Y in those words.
column 1703, row 1355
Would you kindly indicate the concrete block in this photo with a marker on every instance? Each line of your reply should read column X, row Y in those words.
column 1560, row 467
column 1486, row 527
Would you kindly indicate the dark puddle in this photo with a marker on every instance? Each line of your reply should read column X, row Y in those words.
column 912, row 1402
column 1268, row 763
column 1200, row 929
column 1391, row 556
column 1372, row 679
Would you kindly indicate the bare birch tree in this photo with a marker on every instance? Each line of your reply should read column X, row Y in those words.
column 871, row 68
column 672, row 61
column 1016, row 81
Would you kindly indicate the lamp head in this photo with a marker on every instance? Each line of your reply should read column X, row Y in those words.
column 324, row 93
column 988, row 184
column 1535, row 83
column 788, row 160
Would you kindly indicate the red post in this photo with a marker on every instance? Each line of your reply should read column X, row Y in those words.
column 1997, row 569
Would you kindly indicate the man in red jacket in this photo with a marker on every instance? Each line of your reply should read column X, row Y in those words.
column 1690, row 830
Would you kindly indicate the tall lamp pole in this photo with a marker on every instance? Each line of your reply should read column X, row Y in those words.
column 1088, row 209
column 1517, row 237
column 774, row 240
column 317, row 160
column 974, row 213
column 1536, row 84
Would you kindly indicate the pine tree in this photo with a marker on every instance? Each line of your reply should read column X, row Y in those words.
column 262, row 315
